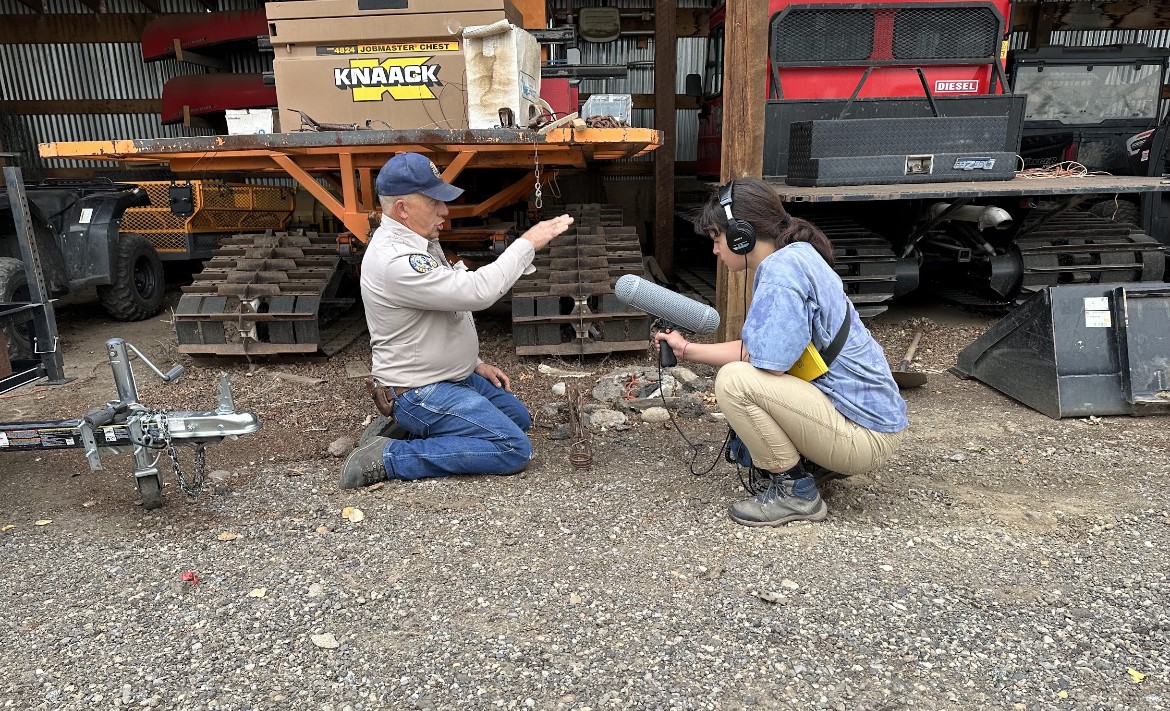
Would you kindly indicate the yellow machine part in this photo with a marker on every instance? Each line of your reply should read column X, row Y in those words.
column 220, row 208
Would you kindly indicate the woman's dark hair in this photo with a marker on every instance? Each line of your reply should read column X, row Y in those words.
column 758, row 203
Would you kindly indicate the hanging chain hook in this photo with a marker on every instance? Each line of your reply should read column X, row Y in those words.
column 539, row 202
column 190, row 486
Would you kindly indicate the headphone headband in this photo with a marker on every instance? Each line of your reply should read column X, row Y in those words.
column 741, row 236
column 725, row 199
column 725, row 193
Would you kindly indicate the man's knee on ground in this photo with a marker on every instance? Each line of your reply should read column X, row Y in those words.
column 518, row 454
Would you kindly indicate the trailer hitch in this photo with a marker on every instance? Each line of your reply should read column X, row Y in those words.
column 126, row 425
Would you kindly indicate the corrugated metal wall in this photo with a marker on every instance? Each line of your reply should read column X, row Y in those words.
column 1097, row 38
column 68, row 72
column 52, row 71
column 77, row 72
column 640, row 64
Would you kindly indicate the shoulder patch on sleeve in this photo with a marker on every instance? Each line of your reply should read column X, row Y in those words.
column 422, row 263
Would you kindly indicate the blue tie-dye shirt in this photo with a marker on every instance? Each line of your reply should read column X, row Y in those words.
column 798, row 298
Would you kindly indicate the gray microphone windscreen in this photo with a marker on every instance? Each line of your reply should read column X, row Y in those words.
column 672, row 307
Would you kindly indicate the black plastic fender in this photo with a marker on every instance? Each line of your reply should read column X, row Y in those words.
column 90, row 240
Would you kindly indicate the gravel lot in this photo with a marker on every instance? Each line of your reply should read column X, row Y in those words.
column 1001, row 560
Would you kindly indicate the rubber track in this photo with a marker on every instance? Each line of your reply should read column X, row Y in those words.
column 567, row 306
column 865, row 262
column 258, row 294
column 1082, row 248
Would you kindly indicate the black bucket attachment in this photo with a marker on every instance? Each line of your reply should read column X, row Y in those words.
column 1080, row 350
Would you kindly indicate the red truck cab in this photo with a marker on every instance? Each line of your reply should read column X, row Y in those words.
column 837, row 49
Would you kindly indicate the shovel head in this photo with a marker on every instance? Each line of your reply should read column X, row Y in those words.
column 907, row 379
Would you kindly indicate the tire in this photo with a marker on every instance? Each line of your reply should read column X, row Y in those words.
column 1119, row 211
column 150, row 489
column 138, row 282
column 14, row 287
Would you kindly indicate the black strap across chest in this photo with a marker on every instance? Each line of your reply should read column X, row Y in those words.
column 834, row 348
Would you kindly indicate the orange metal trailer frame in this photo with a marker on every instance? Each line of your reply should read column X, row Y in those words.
column 349, row 160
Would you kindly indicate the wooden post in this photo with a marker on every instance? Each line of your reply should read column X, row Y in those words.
column 665, row 63
column 745, row 63
column 533, row 12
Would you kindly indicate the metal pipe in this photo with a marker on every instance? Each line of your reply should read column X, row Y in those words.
column 123, row 375
column 983, row 216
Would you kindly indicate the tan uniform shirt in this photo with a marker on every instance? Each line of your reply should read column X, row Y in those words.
column 418, row 305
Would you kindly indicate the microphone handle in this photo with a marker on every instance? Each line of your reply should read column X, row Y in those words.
column 666, row 357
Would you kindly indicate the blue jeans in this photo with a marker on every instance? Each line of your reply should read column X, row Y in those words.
column 464, row 427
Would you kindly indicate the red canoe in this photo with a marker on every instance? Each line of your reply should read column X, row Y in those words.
column 211, row 93
column 200, row 31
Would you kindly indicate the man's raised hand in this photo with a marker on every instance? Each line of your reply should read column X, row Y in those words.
column 542, row 233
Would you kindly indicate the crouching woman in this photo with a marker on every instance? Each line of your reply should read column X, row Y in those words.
column 848, row 419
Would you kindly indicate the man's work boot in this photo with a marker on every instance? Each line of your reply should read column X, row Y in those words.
column 365, row 466
column 786, row 499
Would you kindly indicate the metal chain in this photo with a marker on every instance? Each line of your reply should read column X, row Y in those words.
column 536, row 161
column 195, row 485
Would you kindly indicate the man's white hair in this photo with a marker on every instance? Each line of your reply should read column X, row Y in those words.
column 387, row 202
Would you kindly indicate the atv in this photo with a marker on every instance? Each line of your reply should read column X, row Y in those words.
column 76, row 225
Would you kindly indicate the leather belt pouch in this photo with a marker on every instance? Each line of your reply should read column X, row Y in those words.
column 383, row 397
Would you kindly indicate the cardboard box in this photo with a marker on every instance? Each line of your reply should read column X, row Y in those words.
column 386, row 63
column 249, row 121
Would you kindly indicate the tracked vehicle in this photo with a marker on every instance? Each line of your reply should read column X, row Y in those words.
column 893, row 126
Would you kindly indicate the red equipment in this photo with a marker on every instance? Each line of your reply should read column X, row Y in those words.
column 198, row 31
column 204, row 94
column 834, row 49
column 908, row 105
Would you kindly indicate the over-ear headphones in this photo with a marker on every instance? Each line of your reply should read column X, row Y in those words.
column 741, row 236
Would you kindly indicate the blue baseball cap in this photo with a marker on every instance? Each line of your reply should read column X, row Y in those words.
column 408, row 173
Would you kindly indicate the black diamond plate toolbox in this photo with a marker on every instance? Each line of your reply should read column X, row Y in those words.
column 899, row 150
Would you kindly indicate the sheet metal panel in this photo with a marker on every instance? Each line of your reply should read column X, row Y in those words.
column 624, row 51
column 692, row 53
column 68, row 71
column 1098, row 38
column 250, row 62
column 73, row 7
column 686, row 135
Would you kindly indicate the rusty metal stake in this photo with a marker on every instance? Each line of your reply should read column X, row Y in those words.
column 580, row 448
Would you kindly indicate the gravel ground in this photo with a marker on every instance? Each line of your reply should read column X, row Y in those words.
column 1000, row 560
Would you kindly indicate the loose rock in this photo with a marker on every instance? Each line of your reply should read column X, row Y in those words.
column 341, row 447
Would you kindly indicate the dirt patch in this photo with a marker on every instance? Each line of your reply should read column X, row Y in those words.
column 972, row 449
column 1000, row 559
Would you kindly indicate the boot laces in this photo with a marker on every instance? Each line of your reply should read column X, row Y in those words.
column 774, row 491
column 373, row 470
column 757, row 482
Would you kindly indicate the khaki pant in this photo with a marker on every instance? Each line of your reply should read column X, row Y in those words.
column 781, row 417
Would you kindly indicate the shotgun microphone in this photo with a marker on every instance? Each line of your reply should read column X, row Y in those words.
column 675, row 310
